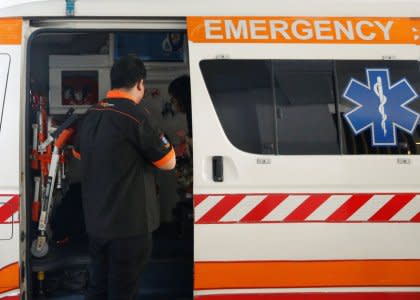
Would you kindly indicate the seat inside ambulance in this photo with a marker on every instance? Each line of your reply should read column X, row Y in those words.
column 70, row 70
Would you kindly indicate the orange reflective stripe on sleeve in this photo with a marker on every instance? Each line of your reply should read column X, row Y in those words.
column 76, row 154
column 168, row 157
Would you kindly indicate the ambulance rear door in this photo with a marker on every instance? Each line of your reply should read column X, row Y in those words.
column 11, row 57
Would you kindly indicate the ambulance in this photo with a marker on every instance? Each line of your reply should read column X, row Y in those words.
column 305, row 114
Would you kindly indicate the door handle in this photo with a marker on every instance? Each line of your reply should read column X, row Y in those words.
column 218, row 168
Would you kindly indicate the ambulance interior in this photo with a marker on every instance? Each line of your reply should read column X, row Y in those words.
column 71, row 70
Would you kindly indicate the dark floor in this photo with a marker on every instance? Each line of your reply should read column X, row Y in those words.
column 169, row 275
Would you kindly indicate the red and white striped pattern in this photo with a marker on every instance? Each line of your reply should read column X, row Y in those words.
column 9, row 209
column 10, row 295
column 222, row 209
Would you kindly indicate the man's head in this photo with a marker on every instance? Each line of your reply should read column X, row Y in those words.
column 128, row 74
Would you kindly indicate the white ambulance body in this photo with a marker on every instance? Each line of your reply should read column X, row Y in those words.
column 303, row 189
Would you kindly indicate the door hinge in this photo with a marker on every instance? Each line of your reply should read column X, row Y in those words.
column 22, row 236
column 22, row 272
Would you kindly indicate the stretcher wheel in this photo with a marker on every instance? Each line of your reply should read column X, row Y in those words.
column 39, row 249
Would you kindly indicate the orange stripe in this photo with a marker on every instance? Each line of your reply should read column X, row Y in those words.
column 305, row 274
column 11, row 31
column 64, row 136
column 354, row 295
column 9, row 278
column 294, row 29
column 165, row 159
column 76, row 154
column 118, row 94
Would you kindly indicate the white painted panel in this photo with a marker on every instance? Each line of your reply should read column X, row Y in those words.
column 10, row 64
column 9, row 3
column 4, row 75
column 6, row 231
column 9, row 130
column 314, row 241
column 135, row 8
column 291, row 173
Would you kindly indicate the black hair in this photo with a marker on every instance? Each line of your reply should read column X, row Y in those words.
column 180, row 89
column 126, row 72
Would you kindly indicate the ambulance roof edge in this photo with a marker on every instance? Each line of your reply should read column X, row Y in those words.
column 182, row 8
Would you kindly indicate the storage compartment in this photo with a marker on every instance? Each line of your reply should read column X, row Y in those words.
column 70, row 70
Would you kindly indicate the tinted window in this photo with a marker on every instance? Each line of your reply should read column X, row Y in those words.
column 289, row 107
column 305, row 107
column 274, row 107
column 394, row 91
column 242, row 93
column 150, row 46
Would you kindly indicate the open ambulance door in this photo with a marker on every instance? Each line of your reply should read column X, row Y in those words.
column 281, row 210
column 93, row 36
column 11, row 66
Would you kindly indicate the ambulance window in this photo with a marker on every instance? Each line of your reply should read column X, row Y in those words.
column 275, row 107
column 305, row 107
column 242, row 94
column 376, row 127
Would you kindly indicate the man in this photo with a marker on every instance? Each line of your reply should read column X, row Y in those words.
column 119, row 149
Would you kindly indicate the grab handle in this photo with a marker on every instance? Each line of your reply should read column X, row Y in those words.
column 218, row 168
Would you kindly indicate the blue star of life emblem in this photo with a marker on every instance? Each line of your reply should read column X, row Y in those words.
column 381, row 106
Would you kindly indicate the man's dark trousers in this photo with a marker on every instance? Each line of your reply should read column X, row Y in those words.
column 116, row 266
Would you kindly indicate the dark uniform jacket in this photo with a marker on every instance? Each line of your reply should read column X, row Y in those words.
column 120, row 149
